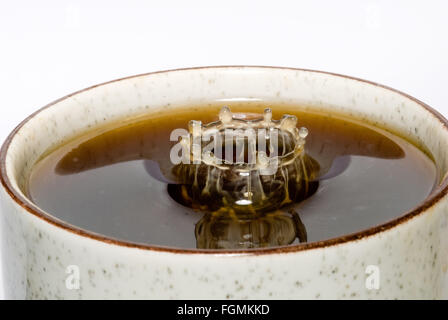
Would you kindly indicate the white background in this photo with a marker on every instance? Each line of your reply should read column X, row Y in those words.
column 51, row 48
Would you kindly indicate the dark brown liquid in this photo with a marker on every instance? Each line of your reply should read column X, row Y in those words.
column 114, row 181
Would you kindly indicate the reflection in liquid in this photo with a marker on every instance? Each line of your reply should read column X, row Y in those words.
column 224, row 231
column 226, row 228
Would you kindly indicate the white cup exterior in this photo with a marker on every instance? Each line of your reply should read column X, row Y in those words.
column 44, row 258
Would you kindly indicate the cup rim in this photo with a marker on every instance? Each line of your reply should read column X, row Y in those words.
column 435, row 196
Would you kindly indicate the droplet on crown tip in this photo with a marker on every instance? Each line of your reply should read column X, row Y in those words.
column 225, row 115
column 303, row 132
column 267, row 114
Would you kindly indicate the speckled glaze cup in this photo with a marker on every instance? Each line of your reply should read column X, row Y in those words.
column 42, row 255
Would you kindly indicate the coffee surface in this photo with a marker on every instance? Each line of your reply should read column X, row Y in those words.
column 118, row 181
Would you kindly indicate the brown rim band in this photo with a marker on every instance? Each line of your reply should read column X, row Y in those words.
column 439, row 192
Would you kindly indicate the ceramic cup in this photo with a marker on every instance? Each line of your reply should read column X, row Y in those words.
column 44, row 257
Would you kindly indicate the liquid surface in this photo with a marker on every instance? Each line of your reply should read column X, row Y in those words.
column 114, row 181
